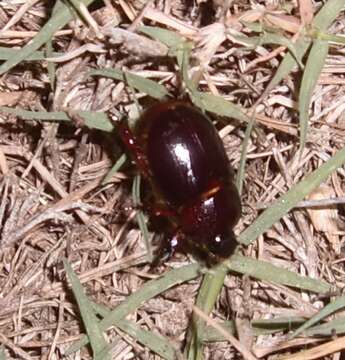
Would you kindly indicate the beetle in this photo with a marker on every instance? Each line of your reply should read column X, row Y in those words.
column 179, row 152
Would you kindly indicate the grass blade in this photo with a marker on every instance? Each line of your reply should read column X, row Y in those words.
column 60, row 18
column 287, row 201
column 97, row 341
column 115, row 168
column 271, row 326
column 147, row 86
column 241, row 170
column 2, row 353
column 270, row 38
column 148, row 291
column 222, row 107
column 51, row 67
column 326, row 311
column 7, row 53
column 266, row 271
column 167, row 37
column 313, row 68
column 322, row 21
column 156, row 343
column 91, row 119
column 336, row 326
column 207, row 296
column 141, row 217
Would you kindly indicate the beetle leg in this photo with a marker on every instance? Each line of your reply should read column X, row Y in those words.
column 161, row 211
column 156, row 208
column 134, row 148
column 175, row 242
column 168, row 247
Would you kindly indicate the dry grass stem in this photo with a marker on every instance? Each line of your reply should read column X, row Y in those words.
column 232, row 340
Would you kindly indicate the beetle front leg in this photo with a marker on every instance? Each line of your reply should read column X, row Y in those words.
column 160, row 211
column 134, row 148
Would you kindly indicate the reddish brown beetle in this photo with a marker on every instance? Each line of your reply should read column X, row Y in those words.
column 178, row 150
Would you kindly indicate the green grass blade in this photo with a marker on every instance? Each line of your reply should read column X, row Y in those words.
column 323, row 313
column 210, row 334
column 167, row 37
column 7, row 53
column 287, row 201
column 183, row 53
column 266, row 271
column 336, row 39
column 61, row 17
column 149, row 290
column 271, row 326
column 158, row 344
column 147, row 86
column 316, row 60
column 141, row 217
column 181, row 49
column 51, row 66
column 115, row 168
column 36, row 115
column 270, row 38
column 222, row 107
column 260, row 327
column 210, row 287
column 336, row 326
column 91, row 323
column 241, row 170
column 91, row 119
column 75, row 5
column 155, row 343
column 2, row 353
column 328, row 13
column 288, row 63
column 207, row 296
column 322, row 21
column 96, row 120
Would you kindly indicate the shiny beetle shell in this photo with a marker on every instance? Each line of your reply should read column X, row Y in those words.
column 190, row 171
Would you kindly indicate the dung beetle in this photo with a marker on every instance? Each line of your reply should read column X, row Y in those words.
column 179, row 152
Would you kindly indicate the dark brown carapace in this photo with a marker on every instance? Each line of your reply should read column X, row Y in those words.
column 178, row 150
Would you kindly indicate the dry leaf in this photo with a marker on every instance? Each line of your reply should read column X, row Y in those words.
column 10, row 98
column 285, row 22
column 306, row 11
column 324, row 219
column 251, row 15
